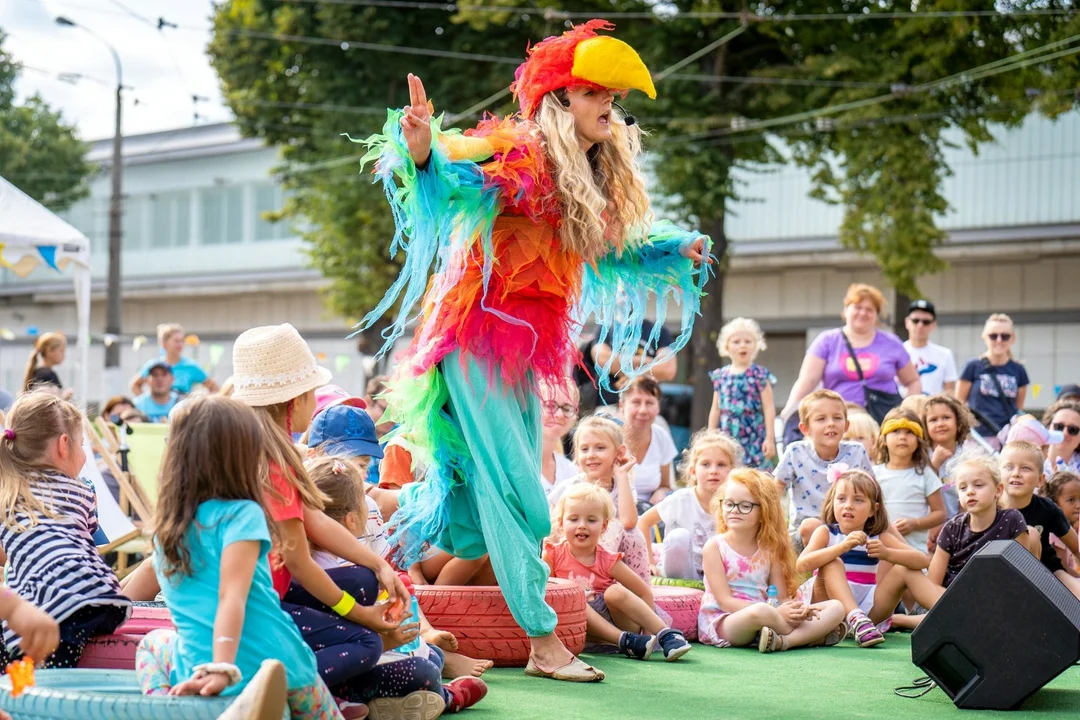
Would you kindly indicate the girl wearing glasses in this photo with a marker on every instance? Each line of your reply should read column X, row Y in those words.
column 1063, row 416
column 994, row 385
column 751, row 552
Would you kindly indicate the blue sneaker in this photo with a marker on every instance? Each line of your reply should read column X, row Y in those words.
column 674, row 644
column 637, row 646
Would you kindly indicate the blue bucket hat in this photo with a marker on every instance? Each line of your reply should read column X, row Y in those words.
column 344, row 430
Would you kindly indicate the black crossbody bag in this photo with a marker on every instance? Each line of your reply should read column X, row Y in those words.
column 877, row 403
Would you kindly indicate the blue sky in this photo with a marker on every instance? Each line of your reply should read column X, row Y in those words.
column 164, row 68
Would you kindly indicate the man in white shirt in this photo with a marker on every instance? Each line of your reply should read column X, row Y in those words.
column 934, row 363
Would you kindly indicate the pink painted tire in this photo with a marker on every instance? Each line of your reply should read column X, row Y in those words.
column 682, row 604
column 481, row 621
column 117, row 651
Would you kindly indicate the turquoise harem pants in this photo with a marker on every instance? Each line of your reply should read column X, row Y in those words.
column 502, row 510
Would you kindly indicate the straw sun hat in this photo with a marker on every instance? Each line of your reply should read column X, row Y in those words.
column 273, row 365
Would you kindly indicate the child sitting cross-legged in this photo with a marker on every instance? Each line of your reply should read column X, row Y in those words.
column 620, row 604
column 342, row 482
column 845, row 551
column 750, row 553
column 688, row 523
column 823, row 418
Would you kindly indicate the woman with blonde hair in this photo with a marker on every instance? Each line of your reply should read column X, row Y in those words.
column 49, row 351
column 994, row 385
column 534, row 223
column 186, row 372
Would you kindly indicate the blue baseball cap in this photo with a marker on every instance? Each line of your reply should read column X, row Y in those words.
column 344, row 430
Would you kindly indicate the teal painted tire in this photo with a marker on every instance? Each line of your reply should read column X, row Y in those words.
column 101, row 695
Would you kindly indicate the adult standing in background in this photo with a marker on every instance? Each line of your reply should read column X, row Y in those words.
column 935, row 364
column 882, row 359
column 994, row 385
column 49, row 351
column 186, row 372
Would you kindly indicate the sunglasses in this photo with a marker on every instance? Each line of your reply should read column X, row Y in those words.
column 1003, row 337
column 922, row 321
column 1071, row 429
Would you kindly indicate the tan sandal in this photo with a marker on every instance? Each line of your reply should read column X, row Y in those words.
column 573, row 671
column 264, row 698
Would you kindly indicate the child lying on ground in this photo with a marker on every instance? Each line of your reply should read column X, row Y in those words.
column 620, row 605
column 844, row 555
column 750, row 553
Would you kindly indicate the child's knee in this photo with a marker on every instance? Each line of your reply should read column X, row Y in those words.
column 677, row 539
column 616, row 595
column 831, row 610
column 763, row 614
column 807, row 528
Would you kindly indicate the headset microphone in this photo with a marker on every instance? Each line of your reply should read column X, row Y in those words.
column 627, row 117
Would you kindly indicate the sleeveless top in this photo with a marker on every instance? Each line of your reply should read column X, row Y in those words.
column 860, row 568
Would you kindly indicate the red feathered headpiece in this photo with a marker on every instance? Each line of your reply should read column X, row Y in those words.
column 569, row 60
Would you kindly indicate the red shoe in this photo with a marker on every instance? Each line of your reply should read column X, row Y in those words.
column 465, row 692
column 351, row 710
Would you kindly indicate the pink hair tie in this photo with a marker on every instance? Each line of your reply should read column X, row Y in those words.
column 835, row 471
column 9, row 434
column 339, row 467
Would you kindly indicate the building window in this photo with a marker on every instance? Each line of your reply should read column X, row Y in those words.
column 222, row 215
column 269, row 197
column 170, row 223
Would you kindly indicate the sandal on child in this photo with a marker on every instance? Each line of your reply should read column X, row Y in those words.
column 573, row 671
column 264, row 697
column 771, row 641
column 417, row 705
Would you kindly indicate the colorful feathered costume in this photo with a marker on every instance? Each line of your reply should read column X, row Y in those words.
column 499, row 314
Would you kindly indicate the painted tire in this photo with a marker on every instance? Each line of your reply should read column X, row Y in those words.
column 117, row 651
column 682, row 604
column 481, row 621
column 101, row 695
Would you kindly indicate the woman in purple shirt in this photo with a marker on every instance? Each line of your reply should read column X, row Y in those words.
column 880, row 354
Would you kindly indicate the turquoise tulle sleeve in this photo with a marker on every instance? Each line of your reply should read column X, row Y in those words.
column 437, row 211
column 617, row 290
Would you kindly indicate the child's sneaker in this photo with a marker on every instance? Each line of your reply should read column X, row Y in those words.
column 464, row 693
column 674, row 644
column 771, row 641
column 637, row 646
column 866, row 633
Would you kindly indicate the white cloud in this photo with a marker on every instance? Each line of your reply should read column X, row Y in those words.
column 163, row 68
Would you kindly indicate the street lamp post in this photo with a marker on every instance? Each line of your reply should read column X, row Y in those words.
column 114, row 301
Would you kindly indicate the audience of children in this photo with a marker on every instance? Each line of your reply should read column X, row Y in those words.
column 620, row 607
column 1063, row 488
column 686, row 514
column 604, row 460
column 863, row 429
column 751, row 552
column 50, row 517
column 804, row 465
column 742, row 404
column 1022, row 473
column 911, row 489
column 845, row 554
column 649, row 443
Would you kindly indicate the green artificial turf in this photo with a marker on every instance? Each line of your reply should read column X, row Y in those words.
column 835, row 683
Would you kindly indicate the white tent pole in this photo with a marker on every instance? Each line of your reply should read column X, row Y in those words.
column 82, row 310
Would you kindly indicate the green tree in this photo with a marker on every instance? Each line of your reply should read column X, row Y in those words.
column 755, row 99
column 39, row 152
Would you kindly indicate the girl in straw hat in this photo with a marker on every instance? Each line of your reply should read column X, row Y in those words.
column 534, row 223
column 275, row 373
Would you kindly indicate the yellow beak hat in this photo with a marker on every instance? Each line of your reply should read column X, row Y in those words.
column 579, row 57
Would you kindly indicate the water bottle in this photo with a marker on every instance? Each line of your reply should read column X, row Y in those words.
column 774, row 599
column 414, row 608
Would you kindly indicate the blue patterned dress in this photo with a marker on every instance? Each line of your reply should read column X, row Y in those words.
column 741, row 413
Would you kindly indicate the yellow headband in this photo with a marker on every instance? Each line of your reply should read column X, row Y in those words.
column 902, row 424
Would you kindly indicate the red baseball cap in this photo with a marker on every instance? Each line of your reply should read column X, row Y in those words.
column 331, row 395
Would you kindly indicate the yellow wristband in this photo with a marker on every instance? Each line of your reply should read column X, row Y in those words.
column 345, row 604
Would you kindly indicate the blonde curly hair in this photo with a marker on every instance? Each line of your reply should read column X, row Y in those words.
column 603, row 195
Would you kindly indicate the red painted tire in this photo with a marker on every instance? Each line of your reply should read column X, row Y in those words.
column 117, row 651
column 682, row 604
column 481, row 621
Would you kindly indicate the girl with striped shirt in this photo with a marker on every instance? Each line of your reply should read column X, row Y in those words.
column 845, row 553
column 47, row 534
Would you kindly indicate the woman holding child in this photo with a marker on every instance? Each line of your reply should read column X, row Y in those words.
column 533, row 223
column 882, row 359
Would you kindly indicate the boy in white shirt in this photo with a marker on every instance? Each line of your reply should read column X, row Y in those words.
column 935, row 364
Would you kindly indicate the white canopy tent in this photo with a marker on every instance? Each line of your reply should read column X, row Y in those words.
column 32, row 236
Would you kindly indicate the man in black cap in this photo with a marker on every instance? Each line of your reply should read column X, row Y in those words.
column 1069, row 392
column 934, row 363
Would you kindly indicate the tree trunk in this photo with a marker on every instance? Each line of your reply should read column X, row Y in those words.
column 899, row 314
column 707, row 328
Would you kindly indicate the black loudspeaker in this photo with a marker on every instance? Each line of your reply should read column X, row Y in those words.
column 1004, row 628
